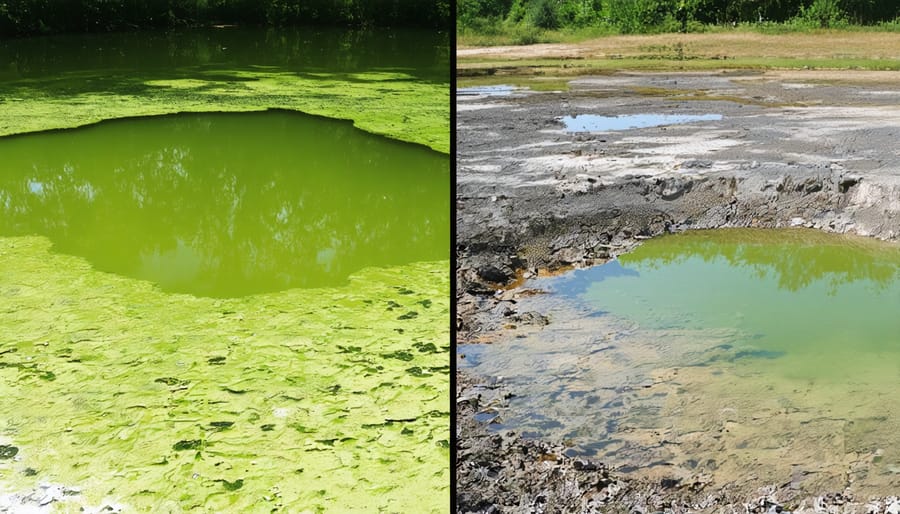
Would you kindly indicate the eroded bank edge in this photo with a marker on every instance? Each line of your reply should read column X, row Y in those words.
column 572, row 231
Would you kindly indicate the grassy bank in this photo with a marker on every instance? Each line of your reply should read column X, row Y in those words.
column 735, row 50
column 507, row 35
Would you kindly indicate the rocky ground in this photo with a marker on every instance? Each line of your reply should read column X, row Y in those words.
column 791, row 149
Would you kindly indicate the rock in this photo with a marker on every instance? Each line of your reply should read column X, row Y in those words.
column 531, row 318
column 675, row 188
column 569, row 255
column 893, row 508
column 697, row 164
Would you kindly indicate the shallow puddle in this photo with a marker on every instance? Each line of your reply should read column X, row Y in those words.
column 741, row 355
column 598, row 123
column 497, row 90
column 228, row 204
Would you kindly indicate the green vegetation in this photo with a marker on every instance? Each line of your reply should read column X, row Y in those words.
column 22, row 17
column 482, row 22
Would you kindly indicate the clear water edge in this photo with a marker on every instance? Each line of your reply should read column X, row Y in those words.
column 599, row 123
column 779, row 338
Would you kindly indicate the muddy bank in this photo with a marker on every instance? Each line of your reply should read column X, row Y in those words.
column 501, row 472
column 531, row 196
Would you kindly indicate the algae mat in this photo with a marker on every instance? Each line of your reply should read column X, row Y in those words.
column 393, row 83
column 331, row 399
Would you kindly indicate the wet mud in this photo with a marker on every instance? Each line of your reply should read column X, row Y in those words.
column 533, row 198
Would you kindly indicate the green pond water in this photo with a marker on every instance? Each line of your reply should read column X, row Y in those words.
column 244, row 312
column 741, row 353
column 416, row 52
column 228, row 204
column 388, row 81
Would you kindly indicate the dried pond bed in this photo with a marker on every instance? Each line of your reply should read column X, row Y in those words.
column 531, row 197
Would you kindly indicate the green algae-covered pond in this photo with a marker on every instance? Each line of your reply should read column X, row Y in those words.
column 741, row 356
column 228, row 204
column 392, row 82
column 225, row 312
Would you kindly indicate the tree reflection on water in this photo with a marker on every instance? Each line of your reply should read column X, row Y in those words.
column 228, row 204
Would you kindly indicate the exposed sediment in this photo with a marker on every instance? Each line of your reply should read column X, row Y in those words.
column 532, row 197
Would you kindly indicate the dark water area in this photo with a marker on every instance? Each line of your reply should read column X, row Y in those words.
column 421, row 53
column 227, row 205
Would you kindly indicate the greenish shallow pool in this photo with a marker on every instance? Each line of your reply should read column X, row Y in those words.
column 740, row 354
column 228, row 204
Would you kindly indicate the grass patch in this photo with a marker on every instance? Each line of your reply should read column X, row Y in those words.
column 833, row 50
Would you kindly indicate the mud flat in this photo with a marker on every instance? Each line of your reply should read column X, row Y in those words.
column 770, row 150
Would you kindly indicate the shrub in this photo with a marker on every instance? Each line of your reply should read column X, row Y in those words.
column 544, row 15
column 821, row 14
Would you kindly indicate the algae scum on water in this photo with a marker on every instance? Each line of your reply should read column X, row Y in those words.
column 731, row 355
column 224, row 313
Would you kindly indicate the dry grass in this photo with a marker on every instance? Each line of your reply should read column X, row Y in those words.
column 737, row 45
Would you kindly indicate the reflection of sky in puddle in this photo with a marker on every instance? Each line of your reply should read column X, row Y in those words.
column 738, row 323
column 498, row 90
column 598, row 123
column 577, row 282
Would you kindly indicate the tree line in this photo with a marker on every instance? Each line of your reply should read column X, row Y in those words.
column 26, row 17
column 635, row 16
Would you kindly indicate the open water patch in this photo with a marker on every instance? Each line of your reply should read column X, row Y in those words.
column 745, row 355
column 227, row 205
column 599, row 123
column 494, row 90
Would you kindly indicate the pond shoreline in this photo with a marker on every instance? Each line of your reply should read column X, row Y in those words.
column 213, row 112
column 533, row 198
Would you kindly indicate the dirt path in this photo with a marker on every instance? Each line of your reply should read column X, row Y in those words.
column 826, row 45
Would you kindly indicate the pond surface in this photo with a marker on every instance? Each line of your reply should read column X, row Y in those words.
column 598, row 123
column 735, row 353
column 242, row 312
column 228, row 204
column 213, row 53
column 391, row 82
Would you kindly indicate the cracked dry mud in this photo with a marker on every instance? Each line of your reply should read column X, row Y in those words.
column 812, row 149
